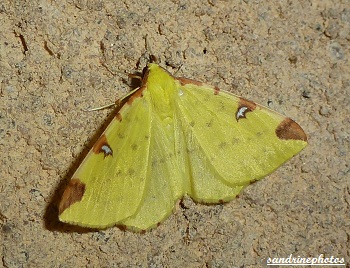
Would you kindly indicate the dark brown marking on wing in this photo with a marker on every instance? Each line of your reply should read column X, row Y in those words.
column 216, row 91
column 118, row 117
column 73, row 193
column 137, row 94
column 184, row 81
column 290, row 130
column 244, row 107
column 102, row 146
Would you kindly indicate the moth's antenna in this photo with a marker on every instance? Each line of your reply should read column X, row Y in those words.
column 147, row 46
column 178, row 69
column 116, row 103
column 151, row 58
column 100, row 108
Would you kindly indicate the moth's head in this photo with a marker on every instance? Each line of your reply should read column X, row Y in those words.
column 152, row 60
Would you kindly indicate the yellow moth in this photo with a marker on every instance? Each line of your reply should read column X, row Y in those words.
column 173, row 137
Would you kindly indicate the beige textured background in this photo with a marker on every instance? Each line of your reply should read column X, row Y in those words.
column 60, row 57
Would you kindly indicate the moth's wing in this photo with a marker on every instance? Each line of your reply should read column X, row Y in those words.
column 109, row 184
column 231, row 141
column 164, row 178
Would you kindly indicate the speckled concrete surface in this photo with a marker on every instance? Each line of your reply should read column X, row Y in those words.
column 59, row 57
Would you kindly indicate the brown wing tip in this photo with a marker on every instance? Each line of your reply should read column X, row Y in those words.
column 289, row 130
column 73, row 193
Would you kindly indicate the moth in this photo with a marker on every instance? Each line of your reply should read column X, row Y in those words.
column 173, row 137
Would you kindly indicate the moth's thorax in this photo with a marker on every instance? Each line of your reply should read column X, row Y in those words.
column 161, row 89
